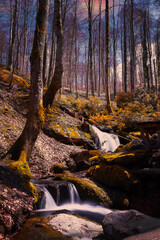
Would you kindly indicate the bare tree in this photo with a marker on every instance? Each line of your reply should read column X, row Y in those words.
column 107, row 39
column 56, row 82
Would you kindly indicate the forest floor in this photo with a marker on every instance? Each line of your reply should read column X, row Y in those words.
column 64, row 121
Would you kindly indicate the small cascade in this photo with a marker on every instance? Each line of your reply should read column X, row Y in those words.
column 73, row 193
column 105, row 141
column 72, row 202
column 47, row 201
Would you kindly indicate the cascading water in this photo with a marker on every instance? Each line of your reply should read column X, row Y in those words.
column 73, row 193
column 105, row 141
column 47, row 201
column 73, row 204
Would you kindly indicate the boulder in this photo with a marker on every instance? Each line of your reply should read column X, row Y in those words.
column 118, row 225
column 75, row 227
column 59, row 227
column 113, row 176
column 135, row 158
column 82, row 159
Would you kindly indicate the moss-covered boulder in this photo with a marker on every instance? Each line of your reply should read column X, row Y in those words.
column 38, row 228
column 65, row 128
column 113, row 176
column 81, row 159
column 126, row 159
column 87, row 189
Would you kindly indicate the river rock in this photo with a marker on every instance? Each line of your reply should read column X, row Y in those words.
column 118, row 225
column 75, row 227
column 113, row 176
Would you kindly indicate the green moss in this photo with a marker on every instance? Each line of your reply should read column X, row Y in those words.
column 38, row 228
column 87, row 189
column 5, row 76
column 21, row 168
column 113, row 176
column 122, row 158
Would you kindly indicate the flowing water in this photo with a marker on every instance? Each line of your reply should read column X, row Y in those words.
column 48, row 204
column 105, row 141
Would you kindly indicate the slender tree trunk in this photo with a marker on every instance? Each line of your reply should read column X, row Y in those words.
column 99, row 50
column 51, row 64
column 125, row 48
column 114, row 53
column 132, row 42
column 87, row 73
column 26, row 20
column 90, row 5
column 18, row 38
column 13, row 32
column 145, row 54
column 56, row 82
column 155, row 75
column 75, row 49
column 107, row 40
column 35, row 116
column 45, row 62
column 149, row 46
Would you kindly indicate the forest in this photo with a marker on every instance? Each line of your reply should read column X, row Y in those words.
column 80, row 119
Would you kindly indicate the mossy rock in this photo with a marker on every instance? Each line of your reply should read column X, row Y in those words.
column 21, row 168
column 65, row 128
column 87, row 189
column 126, row 159
column 82, row 158
column 113, row 176
column 38, row 228
column 58, row 168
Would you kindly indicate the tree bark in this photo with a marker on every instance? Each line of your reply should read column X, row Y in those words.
column 35, row 116
column 132, row 42
column 12, row 33
column 125, row 49
column 90, row 5
column 56, row 82
column 99, row 50
column 107, row 40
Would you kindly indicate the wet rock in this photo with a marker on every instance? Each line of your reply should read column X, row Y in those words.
column 113, row 176
column 58, row 168
column 75, row 227
column 87, row 189
column 121, row 224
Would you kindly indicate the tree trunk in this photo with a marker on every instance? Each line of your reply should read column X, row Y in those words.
column 109, row 109
column 90, row 5
column 99, row 50
column 145, row 54
column 56, row 82
column 114, row 53
column 35, row 116
column 132, row 42
column 13, row 33
column 125, row 49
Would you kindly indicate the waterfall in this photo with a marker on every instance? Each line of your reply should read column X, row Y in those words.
column 47, row 201
column 105, row 141
column 73, row 193
column 48, row 204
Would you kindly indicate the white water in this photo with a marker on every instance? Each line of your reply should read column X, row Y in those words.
column 73, row 193
column 47, row 201
column 105, row 141
column 81, row 207
column 48, row 204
